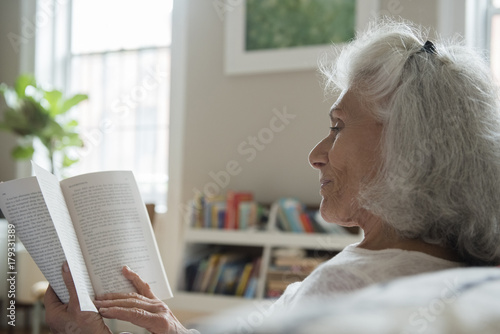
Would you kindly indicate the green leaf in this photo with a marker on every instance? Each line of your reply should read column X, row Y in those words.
column 55, row 129
column 23, row 152
column 72, row 139
column 4, row 127
column 34, row 114
column 71, row 124
column 53, row 97
column 71, row 102
column 17, row 122
column 67, row 161
column 22, row 82
column 46, row 141
column 10, row 96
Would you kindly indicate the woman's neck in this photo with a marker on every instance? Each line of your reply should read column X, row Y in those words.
column 378, row 236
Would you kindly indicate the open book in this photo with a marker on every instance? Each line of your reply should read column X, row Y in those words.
column 97, row 222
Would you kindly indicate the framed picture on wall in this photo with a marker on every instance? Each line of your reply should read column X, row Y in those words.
column 288, row 35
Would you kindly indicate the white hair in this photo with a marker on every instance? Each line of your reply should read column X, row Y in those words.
column 440, row 175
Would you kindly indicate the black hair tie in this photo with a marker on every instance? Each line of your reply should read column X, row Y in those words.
column 429, row 48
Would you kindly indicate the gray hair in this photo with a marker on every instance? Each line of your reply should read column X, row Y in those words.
column 440, row 175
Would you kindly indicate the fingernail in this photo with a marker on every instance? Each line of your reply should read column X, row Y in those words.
column 103, row 310
column 66, row 267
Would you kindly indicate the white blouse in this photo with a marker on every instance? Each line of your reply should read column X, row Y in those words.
column 355, row 268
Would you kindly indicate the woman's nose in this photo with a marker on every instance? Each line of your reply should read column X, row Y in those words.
column 318, row 157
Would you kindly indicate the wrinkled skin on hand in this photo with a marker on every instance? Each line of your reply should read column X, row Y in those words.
column 68, row 318
column 143, row 308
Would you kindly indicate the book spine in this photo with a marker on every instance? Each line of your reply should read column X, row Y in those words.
column 245, row 276
column 230, row 211
column 291, row 209
column 221, row 218
column 238, row 199
column 207, row 216
column 306, row 223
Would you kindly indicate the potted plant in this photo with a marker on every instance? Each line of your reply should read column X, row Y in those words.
column 36, row 114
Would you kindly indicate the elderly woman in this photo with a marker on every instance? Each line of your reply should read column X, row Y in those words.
column 412, row 157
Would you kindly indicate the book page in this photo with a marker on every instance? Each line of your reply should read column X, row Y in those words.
column 114, row 230
column 23, row 205
column 58, row 210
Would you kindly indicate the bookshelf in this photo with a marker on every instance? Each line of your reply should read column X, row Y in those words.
column 263, row 240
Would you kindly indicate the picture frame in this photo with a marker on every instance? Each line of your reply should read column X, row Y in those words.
column 239, row 61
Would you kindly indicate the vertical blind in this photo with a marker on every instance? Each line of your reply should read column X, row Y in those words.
column 120, row 57
column 495, row 39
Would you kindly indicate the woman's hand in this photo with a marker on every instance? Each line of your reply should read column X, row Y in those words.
column 143, row 309
column 68, row 318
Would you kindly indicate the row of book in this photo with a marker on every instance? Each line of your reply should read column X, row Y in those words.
column 288, row 266
column 224, row 273
column 290, row 215
column 239, row 211
column 235, row 211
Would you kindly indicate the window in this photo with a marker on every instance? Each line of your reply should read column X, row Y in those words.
column 494, row 37
column 117, row 52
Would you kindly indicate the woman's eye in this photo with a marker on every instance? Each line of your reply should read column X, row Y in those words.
column 335, row 129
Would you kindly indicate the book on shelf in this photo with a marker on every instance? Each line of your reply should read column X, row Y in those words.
column 290, row 215
column 221, row 273
column 253, row 279
column 97, row 222
column 306, row 222
column 195, row 211
column 237, row 210
column 248, row 215
column 245, row 276
column 209, row 275
column 233, row 201
column 214, row 212
column 229, row 278
column 287, row 214
column 227, row 262
column 288, row 266
column 201, row 269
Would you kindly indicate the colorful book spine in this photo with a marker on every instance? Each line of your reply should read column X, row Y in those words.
column 247, row 215
column 230, row 213
column 245, row 276
column 291, row 213
column 306, row 223
column 218, row 213
column 233, row 201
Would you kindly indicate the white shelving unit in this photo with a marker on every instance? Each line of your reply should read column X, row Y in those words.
column 267, row 240
column 271, row 238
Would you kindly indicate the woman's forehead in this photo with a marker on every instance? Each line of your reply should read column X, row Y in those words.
column 345, row 105
column 350, row 107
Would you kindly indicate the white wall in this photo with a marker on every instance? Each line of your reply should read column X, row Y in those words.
column 10, row 22
column 17, row 45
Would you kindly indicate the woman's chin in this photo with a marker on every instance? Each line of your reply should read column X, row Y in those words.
column 334, row 217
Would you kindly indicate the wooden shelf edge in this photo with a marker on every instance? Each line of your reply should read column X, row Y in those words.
column 271, row 238
column 199, row 302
